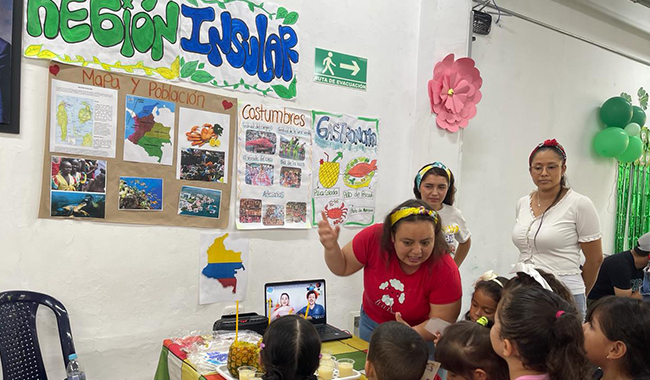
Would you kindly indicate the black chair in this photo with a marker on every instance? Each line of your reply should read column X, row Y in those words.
column 20, row 352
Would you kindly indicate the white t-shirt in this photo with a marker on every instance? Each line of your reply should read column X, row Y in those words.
column 454, row 225
column 573, row 220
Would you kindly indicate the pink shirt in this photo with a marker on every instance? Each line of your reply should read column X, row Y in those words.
column 533, row 377
column 388, row 290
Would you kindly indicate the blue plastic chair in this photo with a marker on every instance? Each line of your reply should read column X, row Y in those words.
column 20, row 352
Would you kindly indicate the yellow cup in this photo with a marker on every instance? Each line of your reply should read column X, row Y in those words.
column 346, row 366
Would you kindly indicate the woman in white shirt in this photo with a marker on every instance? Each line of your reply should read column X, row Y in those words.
column 434, row 184
column 554, row 223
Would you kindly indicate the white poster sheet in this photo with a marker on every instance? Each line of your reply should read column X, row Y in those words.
column 274, row 167
column 223, row 268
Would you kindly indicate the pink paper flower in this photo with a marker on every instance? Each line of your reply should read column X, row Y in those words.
column 454, row 92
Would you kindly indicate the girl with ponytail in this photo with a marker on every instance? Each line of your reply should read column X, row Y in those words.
column 540, row 336
column 291, row 350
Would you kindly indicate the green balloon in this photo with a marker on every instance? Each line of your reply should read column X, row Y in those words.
column 633, row 151
column 616, row 112
column 610, row 142
column 638, row 115
column 633, row 129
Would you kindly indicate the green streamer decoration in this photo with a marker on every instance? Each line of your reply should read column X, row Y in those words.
column 621, row 208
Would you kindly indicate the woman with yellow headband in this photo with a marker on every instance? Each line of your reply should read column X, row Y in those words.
column 407, row 273
column 434, row 184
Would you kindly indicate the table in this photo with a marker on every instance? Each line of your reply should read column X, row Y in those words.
column 173, row 363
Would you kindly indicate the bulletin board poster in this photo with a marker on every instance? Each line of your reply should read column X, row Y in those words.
column 234, row 45
column 131, row 150
column 273, row 167
column 345, row 165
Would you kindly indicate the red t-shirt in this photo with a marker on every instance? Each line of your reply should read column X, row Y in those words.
column 388, row 290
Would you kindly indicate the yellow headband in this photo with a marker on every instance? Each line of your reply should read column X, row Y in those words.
column 407, row 211
column 424, row 170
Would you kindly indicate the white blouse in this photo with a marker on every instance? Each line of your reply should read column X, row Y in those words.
column 556, row 249
column 454, row 225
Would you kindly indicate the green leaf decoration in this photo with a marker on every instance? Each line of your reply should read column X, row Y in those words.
column 626, row 96
column 282, row 91
column 291, row 18
column 202, row 77
column 282, row 13
column 188, row 69
column 247, row 86
column 251, row 7
column 241, row 81
column 221, row 5
column 182, row 61
column 292, row 87
column 643, row 98
column 215, row 83
column 201, row 65
column 193, row 2
column 225, row 82
column 235, row 87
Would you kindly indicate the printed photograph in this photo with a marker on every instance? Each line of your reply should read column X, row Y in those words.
column 273, row 215
column 260, row 142
column 259, row 174
column 296, row 212
column 78, row 174
column 250, row 210
column 77, row 204
column 197, row 201
column 290, row 177
column 202, row 165
column 136, row 193
column 6, row 23
column 293, row 148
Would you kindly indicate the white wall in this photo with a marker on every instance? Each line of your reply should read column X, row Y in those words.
column 129, row 287
column 539, row 84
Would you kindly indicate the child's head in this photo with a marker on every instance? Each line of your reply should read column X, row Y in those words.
column 525, row 279
column 487, row 293
column 396, row 352
column 291, row 350
column 617, row 333
column 466, row 353
column 537, row 330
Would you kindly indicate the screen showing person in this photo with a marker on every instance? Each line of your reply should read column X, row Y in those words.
column 294, row 298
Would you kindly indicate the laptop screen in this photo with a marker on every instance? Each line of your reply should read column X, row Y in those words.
column 296, row 297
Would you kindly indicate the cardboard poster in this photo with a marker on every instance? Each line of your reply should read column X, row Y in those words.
column 139, row 183
column 346, row 169
column 223, row 266
column 234, row 45
column 274, row 167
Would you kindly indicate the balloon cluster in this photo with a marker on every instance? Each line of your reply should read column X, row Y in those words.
column 623, row 123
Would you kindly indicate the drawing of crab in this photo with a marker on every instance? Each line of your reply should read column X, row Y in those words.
column 337, row 214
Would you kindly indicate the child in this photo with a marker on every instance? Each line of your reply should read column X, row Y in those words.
column 487, row 293
column 291, row 350
column 539, row 335
column 617, row 333
column 466, row 353
column 529, row 276
column 396, row 352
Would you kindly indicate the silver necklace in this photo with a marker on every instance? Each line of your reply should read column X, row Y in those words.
column 538, row 201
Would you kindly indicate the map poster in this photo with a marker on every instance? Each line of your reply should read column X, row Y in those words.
column 83, row 119
column 345, row 161
column 149, row 130
column 203, row 145
column 274, row 167
column 223, row 268
column 145, row 190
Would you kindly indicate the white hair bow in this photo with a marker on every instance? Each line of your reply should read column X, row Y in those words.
column 530, row 270
column 489, row 276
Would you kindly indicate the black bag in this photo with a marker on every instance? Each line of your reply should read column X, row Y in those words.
column 247, row 321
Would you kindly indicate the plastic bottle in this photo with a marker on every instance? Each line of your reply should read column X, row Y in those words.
column 75, row 371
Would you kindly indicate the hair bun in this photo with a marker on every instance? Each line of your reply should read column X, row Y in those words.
column 273, row 374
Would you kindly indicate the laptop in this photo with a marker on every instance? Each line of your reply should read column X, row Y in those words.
column 306, row 298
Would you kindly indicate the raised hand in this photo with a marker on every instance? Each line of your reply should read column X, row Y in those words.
column 328, row 236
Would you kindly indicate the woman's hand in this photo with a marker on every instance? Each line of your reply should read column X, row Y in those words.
column 328, row 236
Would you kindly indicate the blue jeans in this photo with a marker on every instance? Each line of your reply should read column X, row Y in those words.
column 367, row 326
column 581, row 304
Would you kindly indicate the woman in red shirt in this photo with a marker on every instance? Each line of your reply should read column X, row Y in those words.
column 408, row 274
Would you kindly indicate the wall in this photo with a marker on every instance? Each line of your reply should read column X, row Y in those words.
column 129, row 287
column 539, row 84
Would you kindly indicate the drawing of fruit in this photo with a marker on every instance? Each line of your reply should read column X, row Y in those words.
column 359, row 172
column 328, row 172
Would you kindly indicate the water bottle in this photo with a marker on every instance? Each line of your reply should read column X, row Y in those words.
column 75, row 371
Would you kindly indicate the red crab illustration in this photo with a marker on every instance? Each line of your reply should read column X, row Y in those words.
column 362, row 169
column 336, row 214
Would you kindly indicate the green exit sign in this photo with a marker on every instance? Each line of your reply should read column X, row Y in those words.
column 340, row 69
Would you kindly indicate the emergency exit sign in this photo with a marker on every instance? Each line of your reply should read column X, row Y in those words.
column 340, row 69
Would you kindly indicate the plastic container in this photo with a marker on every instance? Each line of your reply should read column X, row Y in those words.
column 74, row 370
